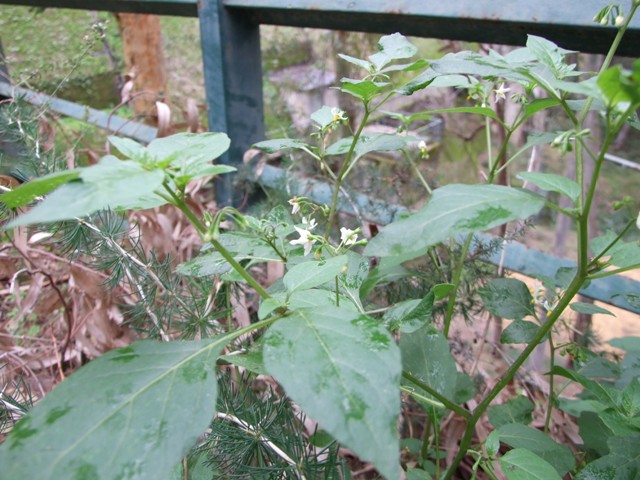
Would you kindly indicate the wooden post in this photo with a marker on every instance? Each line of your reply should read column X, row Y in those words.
column 144, row 60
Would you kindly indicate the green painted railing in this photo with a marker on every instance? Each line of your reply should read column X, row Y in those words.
column 230, row 39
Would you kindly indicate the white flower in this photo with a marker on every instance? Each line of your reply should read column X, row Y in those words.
column 348, row 237
column 501, row 91
column 295, row 205
column 619, row 21
column 338, row 115
column 309, row 224
column 304, row 240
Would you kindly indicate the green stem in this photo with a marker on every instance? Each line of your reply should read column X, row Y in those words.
column 509, row 375
column 613, row 272
column 417, row 172
column 551, row 399
column 438, row 396
column 457, row 278
column 343, row 171
column 202, row 230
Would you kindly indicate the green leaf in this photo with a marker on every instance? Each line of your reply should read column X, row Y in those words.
column 515, row 410
column 610, row 397
column 365, row 90
column 382, row 142
column 621, row 464
column 351, row 281
column 129, row 148
column 410, row 315
column 112, row 183
column 621, row 254
column 453, row 210
column 314, row 273
column 427, row 356
column 251, row 360
column 27, row 192
column 518, row 436
column 628, row 344
column 589, row 308
column 392, row 47
column 134, row 412
column 553, row 183
column 522, row 464
column 492, row 443
column 621, row 86
column 508, row 298
column 350, row 381
column 184, row 150
column 520, row 331
column 357, row 62
column 549, row 54
column 276, row 145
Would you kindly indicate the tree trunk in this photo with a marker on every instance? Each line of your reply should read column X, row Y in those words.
column 144, row 60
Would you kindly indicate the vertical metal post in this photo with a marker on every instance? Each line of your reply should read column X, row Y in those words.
column 233, row 82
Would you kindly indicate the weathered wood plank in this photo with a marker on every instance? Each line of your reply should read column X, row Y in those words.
column 567, row 22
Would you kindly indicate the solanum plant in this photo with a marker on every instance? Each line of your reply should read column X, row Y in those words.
column 137, row 411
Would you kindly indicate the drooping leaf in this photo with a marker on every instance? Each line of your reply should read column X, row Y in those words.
column 278, row 144
column 314, row 273
column 132, row 413
column 112, row 183
column 357, row 61
column 589, row 308
column 427, row 356
column 609, row 396
column 517, row 436
column 550, row 55
column 553, row 183
column 514, row 410
column 508, row 298
column 350, row 381
column 28, row 192
column 453, row 210
column 520, row 331
column 522, row 464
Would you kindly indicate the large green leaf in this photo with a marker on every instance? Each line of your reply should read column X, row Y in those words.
column 517, row 435
column 392, row 47
column 132, row 413
column 427, row 356
column 314, row 273
column 553, row 183
column 452, row 210
column 112, row 183
column 344, row 371
column 508, row 298
column 515, row 410
column 522, row 464
column 621, row 464
column 184, row 150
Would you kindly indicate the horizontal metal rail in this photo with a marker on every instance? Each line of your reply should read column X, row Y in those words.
column 112, row 123
column 516, row 257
